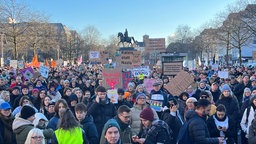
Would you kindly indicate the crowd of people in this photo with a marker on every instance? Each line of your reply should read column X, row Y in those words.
column 72, row 106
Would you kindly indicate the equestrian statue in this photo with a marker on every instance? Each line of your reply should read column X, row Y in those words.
column 125, row 38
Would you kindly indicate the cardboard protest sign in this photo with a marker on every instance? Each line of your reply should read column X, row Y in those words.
column 126, row 59
column 148, row 83
column 44, row 71
column 112, row 78
column 136, row 60
column 113, row 96
column 179, row 83
column 126, row 77
column 172, row 68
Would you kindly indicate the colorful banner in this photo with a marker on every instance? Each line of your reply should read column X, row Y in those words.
column 126, row 77
column 112, row 78
column 27, row 73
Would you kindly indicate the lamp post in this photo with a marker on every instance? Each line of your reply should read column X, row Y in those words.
column 2, row 50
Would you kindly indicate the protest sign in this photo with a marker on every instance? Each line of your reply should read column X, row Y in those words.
column 172, row 68
column 94, row 55
column 27, row 73
column 113, row 96
column 156, row 105
column 126, row 77
column 179, row 83
column 148, row 83
column 141, row 69
column 223, row 74
column 44, row 71
column 14, row 63
column 126, row 59
column 136, row 60
column 20, row 64
column 112, row 78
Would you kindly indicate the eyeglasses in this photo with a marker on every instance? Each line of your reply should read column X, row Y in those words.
column 37, row 137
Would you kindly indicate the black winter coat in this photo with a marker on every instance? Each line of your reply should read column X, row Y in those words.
column 173, row 122
column 232, row 107
column 198, row 130
column 90, row 130
column 101, row 113
column 214, row 132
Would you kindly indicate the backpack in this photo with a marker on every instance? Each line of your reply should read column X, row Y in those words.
column 183, row 136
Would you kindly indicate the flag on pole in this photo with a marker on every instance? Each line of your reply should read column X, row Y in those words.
column 53, row 63
column 35, row 62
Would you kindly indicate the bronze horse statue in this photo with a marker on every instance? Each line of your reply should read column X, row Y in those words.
column 125, row 39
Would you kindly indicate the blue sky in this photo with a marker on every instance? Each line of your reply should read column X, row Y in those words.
column 157, row 18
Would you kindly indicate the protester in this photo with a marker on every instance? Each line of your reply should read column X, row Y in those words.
column 121, row 100
column 69, row 130
column 35, row 136
column 60, row 105
column 198, row 131
column 220, row 125
column 252, row 132
column 6, row 120
column 136, row 110
column 155, row 131
column 111, row 132
column 99, row 106
column 5, row 96
column 123, row 119
column 23, row 101
column 87, row 123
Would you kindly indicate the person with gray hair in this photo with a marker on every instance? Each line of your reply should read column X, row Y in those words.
column 5, row 96
column 35, row 136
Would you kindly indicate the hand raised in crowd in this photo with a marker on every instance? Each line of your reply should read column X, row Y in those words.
column 97, row 99
column 221, row 140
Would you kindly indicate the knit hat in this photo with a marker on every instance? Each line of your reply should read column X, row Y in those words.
column 126, row 95
column 35, row 90
column 16, row 87
column 110, row 123
column 27, row 111
column 120, row 91
column 225, row 87
column 140, row 95
column 24, row 86
column 73, row 97
column 52, row 102
column 147, row 114
column 191, row 98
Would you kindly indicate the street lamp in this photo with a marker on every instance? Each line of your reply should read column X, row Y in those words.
column 2, row 49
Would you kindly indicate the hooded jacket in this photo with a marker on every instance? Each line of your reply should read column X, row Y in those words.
column 90, row 130
column 21, row 128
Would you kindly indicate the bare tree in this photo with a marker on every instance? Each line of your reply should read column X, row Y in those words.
column 16, row 20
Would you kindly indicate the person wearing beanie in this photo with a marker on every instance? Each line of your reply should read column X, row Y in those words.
column 111, row 132
column 230, row 102
column 128, row 98
column 137, row 108
column 121, row 101
column 157, row 131
column 24, row 123
column 101, row 108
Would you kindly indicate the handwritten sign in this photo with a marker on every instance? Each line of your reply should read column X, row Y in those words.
column 126, row 77
column 136, row 61
column 172, row 68
column 126, row 59
column 112, row 78
column 113, row 96
column 179, row 83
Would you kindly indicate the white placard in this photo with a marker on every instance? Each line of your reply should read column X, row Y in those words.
column 20, row 64
column 223, row 74
column 14, row 63
column 142, row 69
column 44, row 71
column 112, row 95
column 94, row 54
